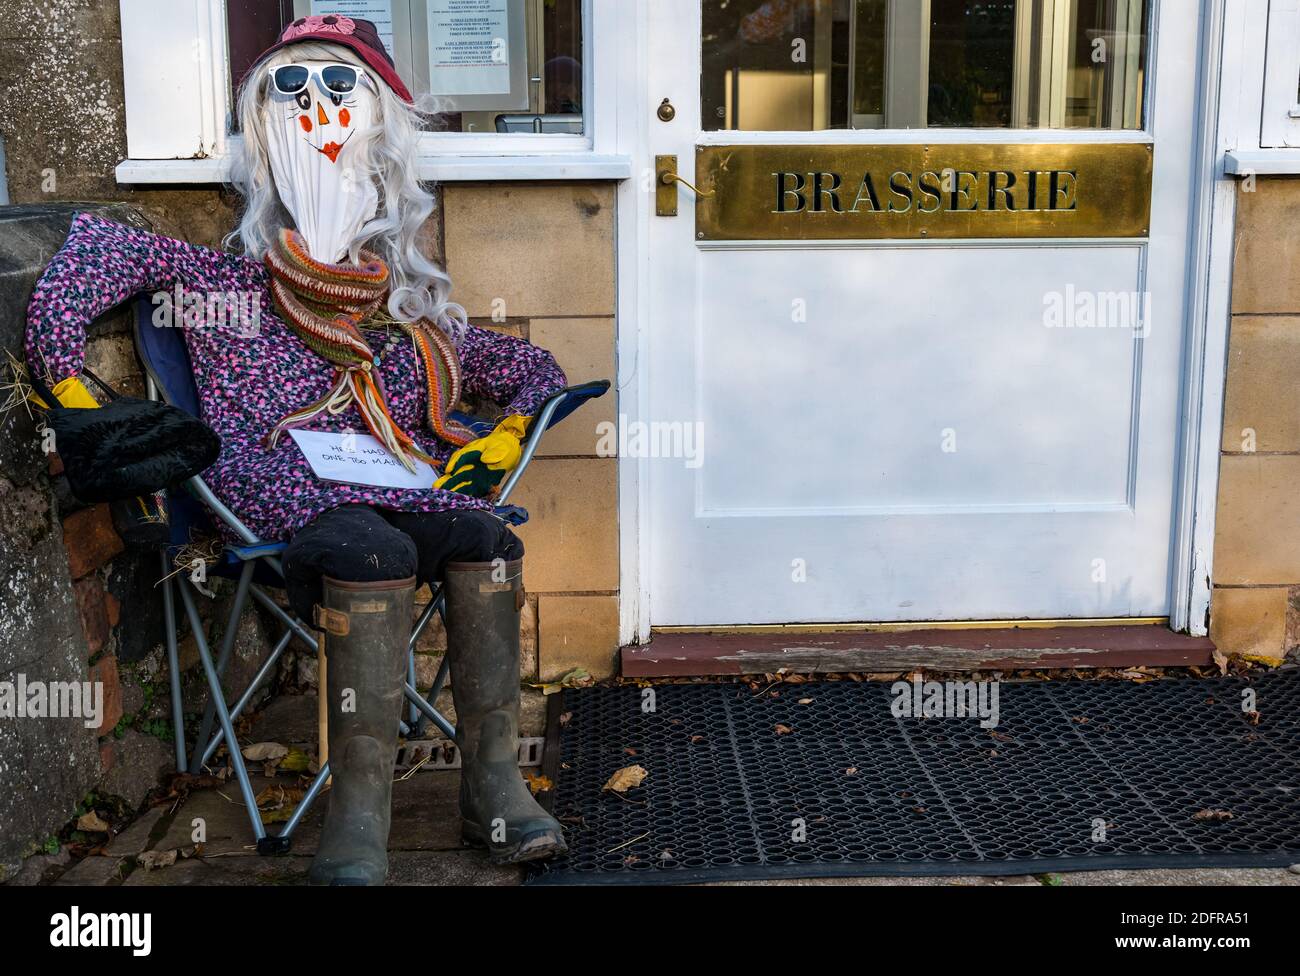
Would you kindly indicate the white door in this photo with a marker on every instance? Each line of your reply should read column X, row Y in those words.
column 916, row 429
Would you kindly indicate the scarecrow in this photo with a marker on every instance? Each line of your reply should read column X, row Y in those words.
column 354, row 332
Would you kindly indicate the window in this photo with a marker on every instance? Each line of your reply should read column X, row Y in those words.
column 493, row 66
column 800, row 65
column 532, row 110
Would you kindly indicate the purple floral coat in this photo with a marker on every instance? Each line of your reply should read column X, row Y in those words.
column 247, row 382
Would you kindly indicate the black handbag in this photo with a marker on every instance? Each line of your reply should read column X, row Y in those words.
column 127, row 447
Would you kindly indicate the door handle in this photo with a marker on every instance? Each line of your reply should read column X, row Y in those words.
column 666, row 180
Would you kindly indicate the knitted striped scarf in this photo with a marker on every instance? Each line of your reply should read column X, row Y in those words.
column 325, row 306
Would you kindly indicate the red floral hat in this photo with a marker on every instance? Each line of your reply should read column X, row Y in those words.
column 358, row 35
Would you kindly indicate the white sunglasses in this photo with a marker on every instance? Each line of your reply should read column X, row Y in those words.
column 337, row 79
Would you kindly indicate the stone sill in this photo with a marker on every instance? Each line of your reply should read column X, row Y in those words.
column 1262, row 162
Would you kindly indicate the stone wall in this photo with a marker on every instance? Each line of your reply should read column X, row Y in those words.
column 537, row 260
column 65, row 578
column 1256, row 602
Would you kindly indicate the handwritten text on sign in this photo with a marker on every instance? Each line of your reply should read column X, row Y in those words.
column 358, row 459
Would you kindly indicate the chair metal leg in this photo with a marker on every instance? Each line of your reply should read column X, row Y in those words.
column 308, row 799
column 278, row 612
column 428, row 711
column 437, row 604
column 413, row 713
column 439, row 680
column 253, row 685
column 173, row 662
column 434, row 606
column 223, row 661
column 223, row 716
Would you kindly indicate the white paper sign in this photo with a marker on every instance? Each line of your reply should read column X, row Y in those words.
column 469, row 47
column 378, row 12
column 358, row 459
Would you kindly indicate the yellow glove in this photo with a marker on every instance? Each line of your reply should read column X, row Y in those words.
column 70, row 393
column 479, row 467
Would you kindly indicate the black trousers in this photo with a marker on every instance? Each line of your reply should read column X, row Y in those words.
column 361, row 544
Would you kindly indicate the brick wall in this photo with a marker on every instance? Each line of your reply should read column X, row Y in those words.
column 1256, row 602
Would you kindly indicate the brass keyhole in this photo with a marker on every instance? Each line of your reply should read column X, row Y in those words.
column 666, row 111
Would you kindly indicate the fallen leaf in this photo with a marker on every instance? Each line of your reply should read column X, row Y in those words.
column 783, row 729
column 537, row 782
column 697, row 739
column 265, row 751
column 92, row 823
column 805, row 701
column 564, row 718
column 631, row 752
column 1221, row 660
column 1214, row 816
column 278, row 803
column 577, row 678
column 153, row 860
column 298, row 761
column 851, row 771
column 626, row 778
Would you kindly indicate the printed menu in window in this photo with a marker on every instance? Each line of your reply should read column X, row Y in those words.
column 470, row 50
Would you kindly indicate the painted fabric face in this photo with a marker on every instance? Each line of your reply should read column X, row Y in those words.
column 313, row 114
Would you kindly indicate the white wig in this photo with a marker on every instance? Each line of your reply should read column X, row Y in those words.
column 419, row 288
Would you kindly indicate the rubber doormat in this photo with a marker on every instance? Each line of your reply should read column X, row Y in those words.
column 826, row 780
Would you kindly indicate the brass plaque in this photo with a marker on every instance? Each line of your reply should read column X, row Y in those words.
column 875, row 192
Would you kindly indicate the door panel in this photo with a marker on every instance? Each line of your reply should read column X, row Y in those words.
column 896, row 401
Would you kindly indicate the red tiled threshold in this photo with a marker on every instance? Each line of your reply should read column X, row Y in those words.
column 695, row 653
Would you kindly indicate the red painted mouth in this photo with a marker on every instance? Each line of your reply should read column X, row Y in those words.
column 331, row 150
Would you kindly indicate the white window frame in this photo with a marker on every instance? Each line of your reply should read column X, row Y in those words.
column 176, row 74
column 1265, row 42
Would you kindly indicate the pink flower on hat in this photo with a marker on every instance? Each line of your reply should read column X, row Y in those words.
column 319, row 24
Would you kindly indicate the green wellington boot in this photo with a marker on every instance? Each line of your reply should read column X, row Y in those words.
column 365, row 628
column 497, row 809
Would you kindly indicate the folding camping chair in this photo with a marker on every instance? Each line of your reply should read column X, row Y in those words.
column 255, row 566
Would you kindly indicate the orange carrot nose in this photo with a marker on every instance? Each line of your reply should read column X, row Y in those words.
column 321, row 117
